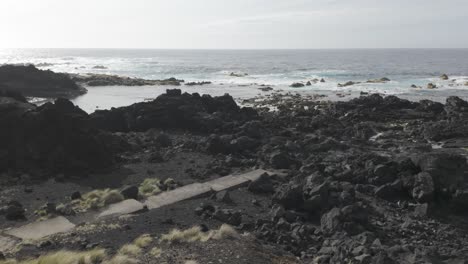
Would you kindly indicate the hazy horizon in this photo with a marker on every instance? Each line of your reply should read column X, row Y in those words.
column 244, row 24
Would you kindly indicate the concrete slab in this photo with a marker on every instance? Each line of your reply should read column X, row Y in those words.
column 42, row 229
column 180, row 194
column 125, row 207
column 253, row 175
column 227, row 183
column 7, row 243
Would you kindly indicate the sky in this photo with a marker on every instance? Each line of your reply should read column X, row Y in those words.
column 234, row 24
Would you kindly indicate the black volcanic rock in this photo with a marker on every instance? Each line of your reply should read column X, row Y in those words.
column 174, row 110
column 33, row 82
column 55, row 137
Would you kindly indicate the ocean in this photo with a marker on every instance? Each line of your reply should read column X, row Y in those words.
column 275, row 68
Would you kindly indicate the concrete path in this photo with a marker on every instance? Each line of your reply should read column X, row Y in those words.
column 180, row 194
column 42, row 229
column 60, row 224
column 125, row 207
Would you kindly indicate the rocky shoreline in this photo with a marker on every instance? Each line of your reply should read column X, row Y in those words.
column 371, row 180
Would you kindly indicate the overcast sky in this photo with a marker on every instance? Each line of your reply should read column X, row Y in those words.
column 234, row 24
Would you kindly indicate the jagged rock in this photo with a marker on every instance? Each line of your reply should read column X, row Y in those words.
column 223, row 196
column 65, row 210
column 53, row 137
column 156, row 157
column 75, row 195
column 14, row 211
column 228, row 216
column 297, row 85
column 423, row 190
column 174, row 111
column 130, row 192
column 163, row 140
column 315, row 196
column 381, row 80
column 281, row 160
column 431, row 86
column 446, row 169
column 384, row 173
column 115, row 80
column 331, row 221
column 421, row 210
column 262, row 184
column 197, row 83
column 265, row 89
column 100, row 67
column 444, row 77
column 289, row 195
column 349, row 83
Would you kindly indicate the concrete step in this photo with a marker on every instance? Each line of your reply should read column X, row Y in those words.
column 42, row 229
column 180, row 194
column 125, row 207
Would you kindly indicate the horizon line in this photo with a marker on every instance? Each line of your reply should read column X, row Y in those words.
column 236, row 49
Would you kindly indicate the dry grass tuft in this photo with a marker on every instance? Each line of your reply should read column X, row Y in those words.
column 121, row 259
column 155, row 252
column 195, row 234
column 178, row 236
column 225, row 232
column 143, row 241
column 130, row 250
column 99, row 198
column 66, row 257
column 150, row 186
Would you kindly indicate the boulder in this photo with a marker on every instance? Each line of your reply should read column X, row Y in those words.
column 349, row 83
column 130, row 192
column 289, row 195
column 262, row 184
column 381, row 80
column 331, row 221
column 297, row 85
column 446, row 169
column 431, row 86
column 444, row 77
column 224, row 197
column 281, row 160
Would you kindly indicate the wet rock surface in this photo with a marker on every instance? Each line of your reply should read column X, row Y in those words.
column 115, row 80
column 371, row 180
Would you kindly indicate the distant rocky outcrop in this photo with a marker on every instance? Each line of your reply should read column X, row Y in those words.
column 197, row 83
column 238, row 74
column 381, row 80
column 176, row 111
column 115, row 80
column 297, row 85
column 349, row 83
column 33, row 82
column 444, row 77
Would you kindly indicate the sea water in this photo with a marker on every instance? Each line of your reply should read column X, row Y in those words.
column 275, row 68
